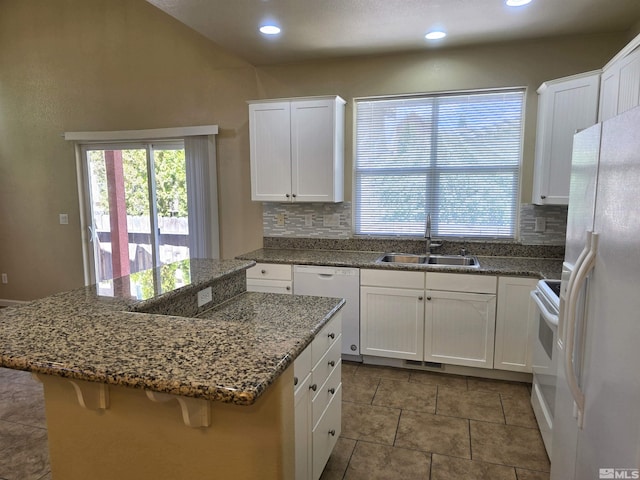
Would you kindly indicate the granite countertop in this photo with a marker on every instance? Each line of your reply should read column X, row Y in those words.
column 489, row 265
column 229, row 353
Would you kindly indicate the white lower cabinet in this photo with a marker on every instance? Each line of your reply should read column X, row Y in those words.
column 270, row 278
column 318, row 400
column 459, row 328
column 515, row 319
column 435, row 317
column 392, row 322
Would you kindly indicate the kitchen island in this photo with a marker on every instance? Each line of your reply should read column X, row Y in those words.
column 186, row 391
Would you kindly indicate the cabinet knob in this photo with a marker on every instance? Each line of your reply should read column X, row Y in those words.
column 314, row 387
column 295, row 380
column 288, row 288
column 428, row 298
column 332, row 433
column 287, row 195
column 332, row 363
column 543, row 197
column 294, row 195
column 332, row 336
column 332, row 391
column 263, row 271
column 420, row 298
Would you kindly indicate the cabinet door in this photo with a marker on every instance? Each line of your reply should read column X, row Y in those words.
column 459, row 328
column 317, row 128
column 270, row 151
column 515, row 318
column 564, row 108
column 629, row 82
column 302, row 428
column 392, row 322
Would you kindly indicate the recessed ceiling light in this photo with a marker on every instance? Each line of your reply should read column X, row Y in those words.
column 270, row 29
column 517, row 3
column 436, row 35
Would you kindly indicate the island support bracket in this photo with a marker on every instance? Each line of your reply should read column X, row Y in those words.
column 196, row 412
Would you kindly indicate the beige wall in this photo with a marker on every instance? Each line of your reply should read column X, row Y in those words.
column 69, row 65
column 525, row 64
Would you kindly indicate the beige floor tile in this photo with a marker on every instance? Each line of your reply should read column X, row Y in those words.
column 441, row 379
column 359, row 389
column 531, row 475
column 508, row 445
column 22, row 403
column 405, row 395
column 477, row 405
column 383, row 372
column 381, row 462
column 339, row 460
column 349, row 368
column 518, row 411
column 369, row 423
column 500, row 386
column 434, row 433
column 449, row 468
column 23, row 452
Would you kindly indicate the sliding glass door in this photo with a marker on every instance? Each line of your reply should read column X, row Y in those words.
column 139, row 212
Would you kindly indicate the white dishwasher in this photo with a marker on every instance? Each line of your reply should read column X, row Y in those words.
column 334, row 282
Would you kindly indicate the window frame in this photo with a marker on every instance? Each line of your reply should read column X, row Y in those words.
column 446, row 93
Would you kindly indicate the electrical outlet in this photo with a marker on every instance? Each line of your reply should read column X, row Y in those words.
column 308, row 220
column 205, row 296
column 541, row 224
column 280, row 219
column 5, row 279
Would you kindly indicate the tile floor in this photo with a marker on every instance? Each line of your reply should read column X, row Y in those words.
column 407, row 424
column 397, row 424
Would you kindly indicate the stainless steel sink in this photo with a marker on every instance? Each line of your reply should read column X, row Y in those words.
column 466, row 261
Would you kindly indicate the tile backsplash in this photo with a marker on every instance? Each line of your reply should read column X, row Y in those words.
column 334, row 221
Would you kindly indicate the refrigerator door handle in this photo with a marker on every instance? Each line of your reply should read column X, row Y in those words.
column 583, row 268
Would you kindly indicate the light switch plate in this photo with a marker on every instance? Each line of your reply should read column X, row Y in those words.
column 205, row 296
column 64, row 219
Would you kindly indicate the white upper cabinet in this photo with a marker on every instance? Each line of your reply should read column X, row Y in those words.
column 297, row 149
column 565, row 106
column 620, row 87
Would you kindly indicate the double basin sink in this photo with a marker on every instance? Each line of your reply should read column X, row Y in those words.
column 466, row 261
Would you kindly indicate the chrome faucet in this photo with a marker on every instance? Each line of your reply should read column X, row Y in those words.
column 427, row 233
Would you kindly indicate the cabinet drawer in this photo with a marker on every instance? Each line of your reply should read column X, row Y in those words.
column 301, row 367
column 326, row 433
column 269, row 286
column 459, row 282
column 325, row 338
column 392, row 278
column 328, row 363
column 325, row 392
column 270, row 271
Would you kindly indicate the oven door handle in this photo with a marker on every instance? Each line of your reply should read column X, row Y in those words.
column 549, row 317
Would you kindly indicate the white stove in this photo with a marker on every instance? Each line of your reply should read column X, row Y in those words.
column 547, row 299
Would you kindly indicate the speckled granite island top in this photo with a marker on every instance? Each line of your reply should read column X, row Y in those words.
column 229, row 353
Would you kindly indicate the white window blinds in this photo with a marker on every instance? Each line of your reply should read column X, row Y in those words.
column 454, row 156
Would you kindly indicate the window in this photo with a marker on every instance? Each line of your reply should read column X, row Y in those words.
column 455, row 156
column 147, row 203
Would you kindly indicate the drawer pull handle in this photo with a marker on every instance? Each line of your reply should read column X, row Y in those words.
column 332, row 433
column 332, row 336
column 295, row 380
column 314, row 387
column 332, row 391
column 332, row 363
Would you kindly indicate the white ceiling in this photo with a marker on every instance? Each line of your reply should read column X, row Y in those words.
column 313, row 29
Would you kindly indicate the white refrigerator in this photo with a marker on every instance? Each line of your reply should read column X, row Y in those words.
column 596, row 430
